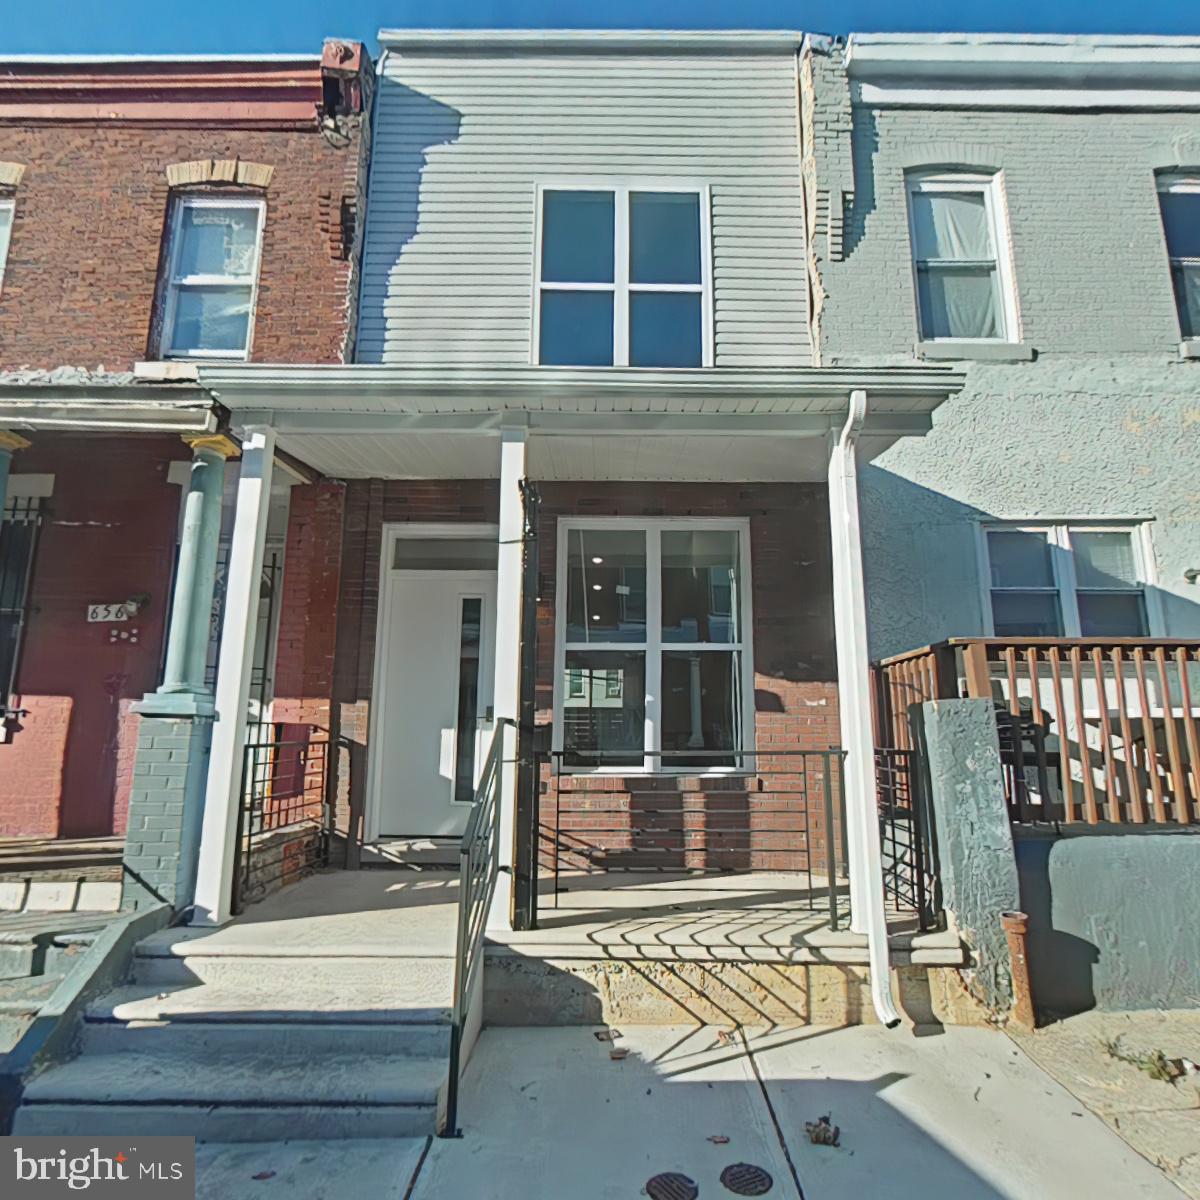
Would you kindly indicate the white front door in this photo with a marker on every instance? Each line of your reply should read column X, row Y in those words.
column 436, row 719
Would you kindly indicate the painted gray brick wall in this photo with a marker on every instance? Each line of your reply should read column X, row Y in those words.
column 461, row 140
column 1104, row 423
column 165, row 810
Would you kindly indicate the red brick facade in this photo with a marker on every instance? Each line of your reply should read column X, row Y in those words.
column 794, row 668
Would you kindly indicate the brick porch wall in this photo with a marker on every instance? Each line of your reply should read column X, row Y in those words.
column 794, row 659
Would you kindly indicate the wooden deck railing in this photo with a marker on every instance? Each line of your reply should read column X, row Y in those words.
column 1091, row 730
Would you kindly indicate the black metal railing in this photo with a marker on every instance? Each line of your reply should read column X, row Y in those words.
column 911, row 881
column 771, row 810
column 285, row 813
column 20, row 520
column 479, row 864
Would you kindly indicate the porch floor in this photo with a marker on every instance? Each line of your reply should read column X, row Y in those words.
column 746, row 917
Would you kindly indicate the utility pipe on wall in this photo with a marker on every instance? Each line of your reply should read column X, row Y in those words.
column 854, row 708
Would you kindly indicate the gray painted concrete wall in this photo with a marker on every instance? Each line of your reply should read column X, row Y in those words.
column 462, row 139
column 975, row 848
column 1112, row 917
column 1105, row 422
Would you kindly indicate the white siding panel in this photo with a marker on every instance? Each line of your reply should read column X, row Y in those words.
column 461, row 142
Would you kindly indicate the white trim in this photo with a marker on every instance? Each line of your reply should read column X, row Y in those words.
column 1052, row 98
column 8, row 207
column 991, row 187
column 643, row 41
column 1062, row 563
column 621, row 188
column 172, row 282
column 653, row 647
column 392, row 532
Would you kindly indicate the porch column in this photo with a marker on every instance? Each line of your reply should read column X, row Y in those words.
column 223, row 793
column 175, row 722
column 10, row 443
column 854, row 708
column 507, row 691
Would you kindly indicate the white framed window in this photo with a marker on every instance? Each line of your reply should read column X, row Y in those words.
column 8, row 208
column 961, row 267
column 1077, row 579
column 212, row 277
column 623, row 276
column 653, row 647
column 1179, row 204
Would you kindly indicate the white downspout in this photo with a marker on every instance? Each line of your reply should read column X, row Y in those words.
column 854, row 707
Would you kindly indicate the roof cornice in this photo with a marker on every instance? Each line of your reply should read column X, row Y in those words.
column 593, row 41
column 1024, row 71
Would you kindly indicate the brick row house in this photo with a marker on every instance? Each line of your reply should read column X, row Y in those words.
column 155, row 213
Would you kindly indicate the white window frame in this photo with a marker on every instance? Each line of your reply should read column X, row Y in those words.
column 621, row 287
column 8, row 206
column 1178, row 183
column 991, row 187
column 653, row 646
column 1058, row 535
column 174, row 283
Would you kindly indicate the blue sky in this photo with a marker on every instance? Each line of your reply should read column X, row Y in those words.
column 245, row 26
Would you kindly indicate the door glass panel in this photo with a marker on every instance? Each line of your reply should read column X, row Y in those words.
column 445, row 554
column 606, row 585
column 604, row 708
column 469, row 641
column 701, row 707
column 700, row 585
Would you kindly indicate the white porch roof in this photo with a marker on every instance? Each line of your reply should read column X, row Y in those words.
column 367, row 421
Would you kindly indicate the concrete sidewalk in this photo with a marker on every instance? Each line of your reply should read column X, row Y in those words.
column 964, row 1115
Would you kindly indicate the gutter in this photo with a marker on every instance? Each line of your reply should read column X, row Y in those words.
column 854, row 703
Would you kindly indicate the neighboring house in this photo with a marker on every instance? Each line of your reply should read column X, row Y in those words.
column 1027, row 208
column 154, row 213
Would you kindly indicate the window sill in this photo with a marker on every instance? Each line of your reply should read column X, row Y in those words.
column 980, row 351
column 1190, row 348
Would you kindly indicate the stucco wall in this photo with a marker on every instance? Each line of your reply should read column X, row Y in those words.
column 1104, row 422
column 1112, row 920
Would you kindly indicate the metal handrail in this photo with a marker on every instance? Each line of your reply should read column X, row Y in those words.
column 479, row 864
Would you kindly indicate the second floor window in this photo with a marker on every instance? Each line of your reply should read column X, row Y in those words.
column 7, row 209
column 963, row 280
column 1179, row 200
column 212, row 277
column 622, row 278
column 1066, row 581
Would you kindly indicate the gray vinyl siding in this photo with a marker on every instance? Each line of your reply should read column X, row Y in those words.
column 461, row 142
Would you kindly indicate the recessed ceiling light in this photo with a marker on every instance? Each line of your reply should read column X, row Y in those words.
column 596, row 587
column 595, row 616
column 597, row 559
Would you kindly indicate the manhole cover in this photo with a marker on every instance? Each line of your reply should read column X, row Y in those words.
column 745, row 1179
column 672, row 1186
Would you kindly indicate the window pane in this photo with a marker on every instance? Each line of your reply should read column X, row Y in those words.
column 211, row 318
column 576, row 329
column 445, row 554
column 16, row 546
column 468, row 698
column 700, row 585
column 701, row 707
column 601, row 729
column 951, row 225
column 664, row 329
column 217, row 241
column 606, row 585
column 959, row 302
column 1019, row 558
column 1187, row 297
column 6, row 220
column 577, row 237
column 1103, row 560
column 664, row 237
column 1181, row 222
column 1026, row 614
column 1112, row 614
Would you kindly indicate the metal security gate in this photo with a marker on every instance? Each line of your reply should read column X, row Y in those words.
column 20, row 523
column 911, row 882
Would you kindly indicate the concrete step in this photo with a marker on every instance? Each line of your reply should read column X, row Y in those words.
column 230, row 1095
column 284, row 1040
column 220, row 1002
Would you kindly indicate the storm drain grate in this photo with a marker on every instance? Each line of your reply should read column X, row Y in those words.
column 671, row 1186
column 745, row 1179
